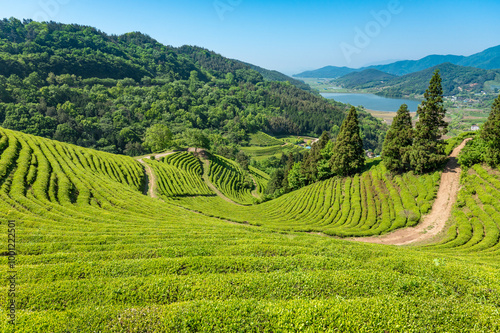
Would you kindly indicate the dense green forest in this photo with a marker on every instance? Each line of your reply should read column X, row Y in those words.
column 272, row 75
column 79, row 85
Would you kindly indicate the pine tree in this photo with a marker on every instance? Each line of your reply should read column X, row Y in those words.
column 348, row 155
column 490, row 133
column 427, row 152
column 397, row 142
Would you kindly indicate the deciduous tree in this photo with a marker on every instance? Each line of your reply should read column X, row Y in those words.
column 310, row 163
column 295, row 177
column 197, row 139
column 158, row 137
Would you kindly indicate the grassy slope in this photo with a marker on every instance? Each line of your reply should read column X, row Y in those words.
column 94, row 254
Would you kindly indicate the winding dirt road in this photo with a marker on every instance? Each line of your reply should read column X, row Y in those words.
column 150, row 185
column 207, row 181
column 433, row 223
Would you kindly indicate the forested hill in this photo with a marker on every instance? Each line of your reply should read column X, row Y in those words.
column 88, row 52
column 272, row 75
column 220, row 66
column 368, row 76
column 77, row 84
column 29, row 47
column 455, row 79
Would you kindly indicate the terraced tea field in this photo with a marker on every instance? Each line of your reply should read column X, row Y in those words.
column 94, row 254
column 261, row 139
column 262, row 153
column 178, row 175
column 475, row 223
column 369, row 204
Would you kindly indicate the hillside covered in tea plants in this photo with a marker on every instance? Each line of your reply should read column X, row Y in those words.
column 96, row 254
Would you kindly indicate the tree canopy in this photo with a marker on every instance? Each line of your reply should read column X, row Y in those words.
column 398, row 141
column 158, row 138
column 490, row 133
column 427, row 152
column 348, row 156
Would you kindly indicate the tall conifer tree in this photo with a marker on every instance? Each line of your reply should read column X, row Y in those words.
column 348, row 154
column 427, row 152
column 398, row 140
column 490, row 133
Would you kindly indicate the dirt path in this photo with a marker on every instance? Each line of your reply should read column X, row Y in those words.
column 434, row 222
column 150, row 189
column 254, row 192
column 158, row 156
column 212, row 186
column 151, row 178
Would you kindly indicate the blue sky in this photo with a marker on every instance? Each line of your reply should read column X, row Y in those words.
column 289, row 36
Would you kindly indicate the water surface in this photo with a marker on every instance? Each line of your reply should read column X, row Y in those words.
column 372, row 102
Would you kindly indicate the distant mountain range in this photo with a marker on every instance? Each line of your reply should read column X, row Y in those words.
column 487, row 59
column 455, row 79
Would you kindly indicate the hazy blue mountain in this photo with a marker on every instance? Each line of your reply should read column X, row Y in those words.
column 455, row 79
column 487, row 59
column 327, row 72
column 382, row 62
column 411, row 66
